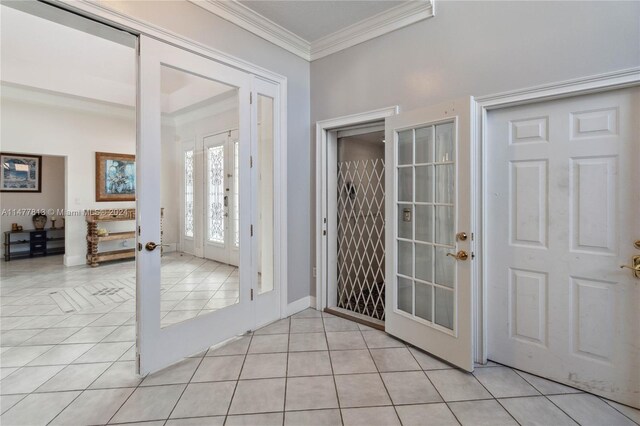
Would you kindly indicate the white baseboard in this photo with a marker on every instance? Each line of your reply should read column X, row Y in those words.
column 300, row 305
column 170, row 248
column 74, row 260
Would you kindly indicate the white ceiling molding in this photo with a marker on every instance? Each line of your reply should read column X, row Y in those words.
column 251, row 21
column 375, row 26
column 367, row 29
column 42, row 97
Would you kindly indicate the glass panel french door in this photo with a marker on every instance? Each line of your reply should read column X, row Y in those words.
column 186, row 303
column 428, row 269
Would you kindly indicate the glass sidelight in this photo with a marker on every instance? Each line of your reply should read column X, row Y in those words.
column 264, row 228
column 426, row 194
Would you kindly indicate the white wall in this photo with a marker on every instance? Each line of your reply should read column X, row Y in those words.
column 195, row 23
column 51, row 197
column 51, row 128
column 474, row 48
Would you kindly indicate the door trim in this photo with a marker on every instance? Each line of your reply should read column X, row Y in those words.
column 326, row 136
column 103, row 13
column 585, row 85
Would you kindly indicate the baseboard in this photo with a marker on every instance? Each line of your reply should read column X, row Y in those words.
column 300, row 305
column 74, row 260
column 171, row 247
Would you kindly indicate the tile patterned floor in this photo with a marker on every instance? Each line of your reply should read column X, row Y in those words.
column 310, row 369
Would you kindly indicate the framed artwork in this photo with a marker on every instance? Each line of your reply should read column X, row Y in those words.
column 20, row 173
column 115, row 177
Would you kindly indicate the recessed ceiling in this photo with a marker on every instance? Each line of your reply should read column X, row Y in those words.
column 85, row 65
column 312, row 20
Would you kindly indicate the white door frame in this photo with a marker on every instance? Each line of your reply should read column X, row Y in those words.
column 326, row 138
column 581, row 86
column 103, row 13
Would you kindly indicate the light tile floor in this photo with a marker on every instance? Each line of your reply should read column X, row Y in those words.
column 310, row 369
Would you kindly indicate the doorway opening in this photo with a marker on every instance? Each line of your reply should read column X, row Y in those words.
column 355, row 222
column 360, row 221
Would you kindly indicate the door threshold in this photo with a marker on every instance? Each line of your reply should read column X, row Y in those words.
column 356, row 317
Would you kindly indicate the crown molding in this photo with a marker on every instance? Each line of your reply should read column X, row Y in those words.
column 43, row 97
column 372, row 27
column 367, row 29
column 257, row 24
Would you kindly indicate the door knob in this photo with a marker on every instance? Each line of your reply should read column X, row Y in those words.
column 636, row 266
column 151, row 246
column 636, row 244
column 461, row 236
column 460, row 255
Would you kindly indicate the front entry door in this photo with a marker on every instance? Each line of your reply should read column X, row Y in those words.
column 428, row 240
column 563, row 214
column 185, row 304
column 221, row 238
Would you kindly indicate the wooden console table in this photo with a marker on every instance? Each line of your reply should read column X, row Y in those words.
column 94, row 256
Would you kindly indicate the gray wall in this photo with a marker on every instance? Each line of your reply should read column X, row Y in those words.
column 195, row 23
column 473, row 48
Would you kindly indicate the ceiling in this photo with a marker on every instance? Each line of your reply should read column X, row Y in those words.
column 313, row 29
column 312, row 19
column 85, row 65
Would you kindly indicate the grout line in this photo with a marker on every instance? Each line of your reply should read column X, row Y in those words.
column 333, row 375
column 233, row 394
column 380, row 375
column 606, row 401
column 126, row 399
column 286, row 372
column 434, row 386
column 187, row 384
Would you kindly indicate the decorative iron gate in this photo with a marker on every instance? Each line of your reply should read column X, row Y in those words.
column 361, row 237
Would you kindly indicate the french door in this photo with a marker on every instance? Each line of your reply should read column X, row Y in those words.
column 429, row 236
column 206, row 303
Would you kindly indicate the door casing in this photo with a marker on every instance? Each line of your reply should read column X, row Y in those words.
column 326, row 157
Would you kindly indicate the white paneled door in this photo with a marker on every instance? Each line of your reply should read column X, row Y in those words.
column 429, row 236
column 562, row 216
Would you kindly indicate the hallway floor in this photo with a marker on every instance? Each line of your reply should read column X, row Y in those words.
column 310, row 369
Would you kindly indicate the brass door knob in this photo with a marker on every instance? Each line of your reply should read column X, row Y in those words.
column 635, row 260
column 460, row 255
column 151, row 246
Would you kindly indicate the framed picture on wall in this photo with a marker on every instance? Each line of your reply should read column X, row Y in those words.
column 115, row 177
column 20, row 173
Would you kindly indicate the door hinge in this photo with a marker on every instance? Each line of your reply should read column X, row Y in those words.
column 251, row 294
column 251, row 161
column 252, row 230
column 137, row 363
column 138, row 230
